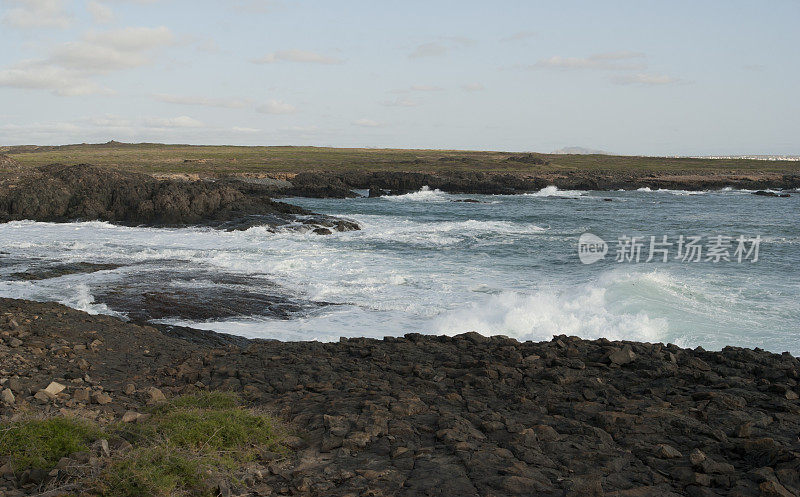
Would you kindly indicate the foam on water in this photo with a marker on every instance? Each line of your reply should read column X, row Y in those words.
column 424, row 195
column 509, row 267
column 554, row 191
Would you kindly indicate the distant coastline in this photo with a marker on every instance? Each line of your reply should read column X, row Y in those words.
column 335, row 172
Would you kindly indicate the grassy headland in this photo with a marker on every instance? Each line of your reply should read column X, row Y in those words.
column 153, row 158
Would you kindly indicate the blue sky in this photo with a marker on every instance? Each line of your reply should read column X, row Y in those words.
column 630, row 77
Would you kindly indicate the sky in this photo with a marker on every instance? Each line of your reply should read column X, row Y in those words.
column 629, row 77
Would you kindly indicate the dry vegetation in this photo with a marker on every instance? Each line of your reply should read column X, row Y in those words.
column 220, row 160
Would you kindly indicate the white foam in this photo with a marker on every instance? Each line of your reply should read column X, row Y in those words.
column 424, row 195
column 548, row 312
column 414, row 268
column 554, row 191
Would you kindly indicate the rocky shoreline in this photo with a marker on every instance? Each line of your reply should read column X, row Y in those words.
column 60, row 193
column 430, row 415
column 340, row 185
column 83, row 192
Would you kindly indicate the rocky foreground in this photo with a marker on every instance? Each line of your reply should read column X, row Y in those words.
column 427, row 415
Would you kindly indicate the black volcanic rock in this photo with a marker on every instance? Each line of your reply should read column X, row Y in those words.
column 83, row 192
column 764, row 193
column 438, row 415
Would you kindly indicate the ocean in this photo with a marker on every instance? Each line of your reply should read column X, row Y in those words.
column 428, row 262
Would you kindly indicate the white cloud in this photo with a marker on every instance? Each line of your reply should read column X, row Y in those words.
column 473, row 87
column 101, row 13
column 230, row 103
column 240, row 129
column 111, row 50
column 400, row 102
column 105, row 127
column 93, row 58
column 42, row 76
column 109, row 121
column 419, row 88
column 520, row 36
column 645, row 79
column 430, row 49
column 460, row 40
column 425, row 88
column 295, row 55
column 37, row 14
column 276, row 107
column 366, row 123
column 615, row 61
column 440, row 47
column 67, row 70
column 174, row 122
column 132, row 39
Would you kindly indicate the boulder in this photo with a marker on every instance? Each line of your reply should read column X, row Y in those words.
column 7, row 396
column 53, row 389
column 155, row 395
column 622, row 356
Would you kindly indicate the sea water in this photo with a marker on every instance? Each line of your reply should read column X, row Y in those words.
column 424, row 263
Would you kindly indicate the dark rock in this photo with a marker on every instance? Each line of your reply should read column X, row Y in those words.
column 622, row 356
column 68, row 193
column 765, row 193
column 437, row 415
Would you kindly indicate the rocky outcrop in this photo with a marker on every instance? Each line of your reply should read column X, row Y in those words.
column 341, row 185
column 764, row 193
column 431, row 415
column 84, row 192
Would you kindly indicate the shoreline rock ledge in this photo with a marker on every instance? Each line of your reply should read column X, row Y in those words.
column 83, row 192
column 468, row 415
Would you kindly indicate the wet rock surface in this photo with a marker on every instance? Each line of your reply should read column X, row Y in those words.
column 764, row 193
column 176, row 292
column 428, row 415
column 47, row 270
column 83, row 192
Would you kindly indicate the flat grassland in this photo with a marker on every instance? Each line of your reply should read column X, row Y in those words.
column 153, row 158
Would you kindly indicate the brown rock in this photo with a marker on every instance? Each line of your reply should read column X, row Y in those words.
column 156, row 395
column 744, row 430
column 623, row 356
column 667, row 452
column 53, row 389
column 545, row 433
column 129, row 389
column 101, row 398
column 7, row 396
column 81, row 395
column 338, row 426
column 697, row 457
column 15, row 385
column 774, row 489
column 41, row 396
column 131, row 417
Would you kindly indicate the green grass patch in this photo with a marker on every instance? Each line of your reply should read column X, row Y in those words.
column 40, row 443
column 180, row 449
column 205, row 400
column 154, row 471
column 206, row 422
